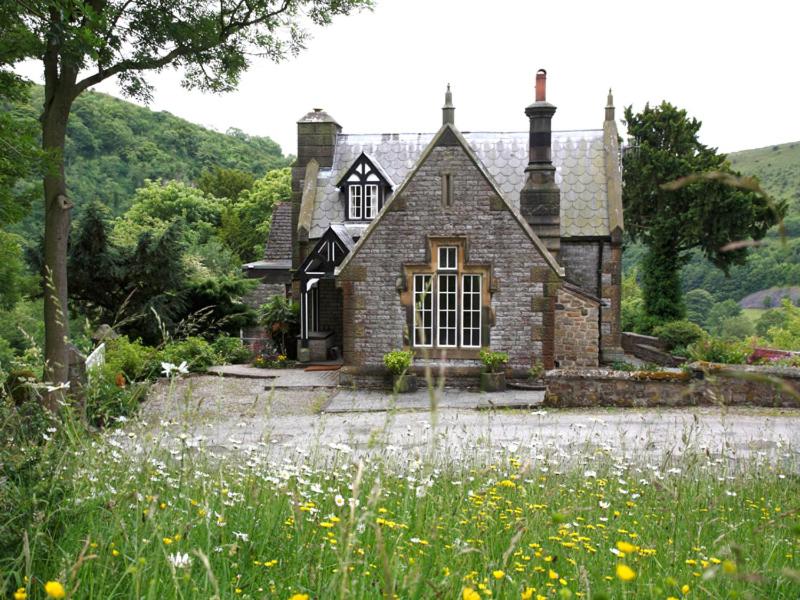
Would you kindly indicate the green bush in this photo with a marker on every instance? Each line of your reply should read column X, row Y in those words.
column 736, row 328
column 679, row 334
column 231, row 350
column 398, row 361
column 134, row 360
column 711, row 349
column 109, row 396
column 198, row 354
column 493, row 360
column 280, row 316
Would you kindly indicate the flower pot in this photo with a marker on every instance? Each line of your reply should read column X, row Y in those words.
column 493, row 382
column 403, row 384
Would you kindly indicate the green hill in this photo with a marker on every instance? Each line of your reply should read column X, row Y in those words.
column 777, row 167
column 114, row 145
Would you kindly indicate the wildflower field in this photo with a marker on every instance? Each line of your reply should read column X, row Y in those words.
column 116, row 515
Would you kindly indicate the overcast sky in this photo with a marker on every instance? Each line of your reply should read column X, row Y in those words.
column 732, row 64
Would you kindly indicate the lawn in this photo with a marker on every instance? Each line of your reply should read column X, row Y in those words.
column 119, row 517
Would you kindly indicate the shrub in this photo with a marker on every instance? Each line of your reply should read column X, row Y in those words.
column 679, row 334
column 109, row 396
column 537, row 370
column 736, row 328
column 711, row 349
column 493, row 360
column 198, row 354
column 231, row 350
column 134, row 360
column 279, row 316
column 398, row 361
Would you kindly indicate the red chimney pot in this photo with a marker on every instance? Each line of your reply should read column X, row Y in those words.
column 541, row 85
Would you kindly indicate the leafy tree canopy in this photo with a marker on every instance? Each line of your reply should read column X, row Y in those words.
column 225, row 183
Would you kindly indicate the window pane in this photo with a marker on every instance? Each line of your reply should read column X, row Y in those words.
column 355, row 201
column 370, row 201
column 471, row 311
column 423, row 310
column 448, row 258
column 447, row 312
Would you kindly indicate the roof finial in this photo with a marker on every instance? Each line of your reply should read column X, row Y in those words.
column 610, row 106
column 448, row 110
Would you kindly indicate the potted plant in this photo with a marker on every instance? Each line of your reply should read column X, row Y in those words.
column 493, row 379
column 398, row 362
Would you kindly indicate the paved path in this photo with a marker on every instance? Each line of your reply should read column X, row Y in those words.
column 280, row 378
column 355, row 401
column 235, row 415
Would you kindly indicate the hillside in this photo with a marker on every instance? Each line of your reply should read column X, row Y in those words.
column 774, row 264
column 114, row 145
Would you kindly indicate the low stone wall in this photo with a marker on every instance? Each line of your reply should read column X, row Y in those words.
column 701, row 384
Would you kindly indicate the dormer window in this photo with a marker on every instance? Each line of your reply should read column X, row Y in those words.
column 365, row 188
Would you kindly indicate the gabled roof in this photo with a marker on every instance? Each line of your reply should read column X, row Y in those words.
column 279, row 243
column 450, row 131
column 376, row 166
column 318, row 259
column 579, row 158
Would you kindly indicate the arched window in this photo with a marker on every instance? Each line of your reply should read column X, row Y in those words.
column 365, row 187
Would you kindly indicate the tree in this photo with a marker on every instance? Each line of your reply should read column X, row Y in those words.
column 246, row 222
column 84, row 42
column 722, row 311
column 224, row 183
column 679, row 195
column 698, row 306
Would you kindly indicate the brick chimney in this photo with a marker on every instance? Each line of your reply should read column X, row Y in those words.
column 540, row 199
column 316, row 139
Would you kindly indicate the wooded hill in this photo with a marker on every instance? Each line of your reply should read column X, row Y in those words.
column 114, row 145
column 776, row 263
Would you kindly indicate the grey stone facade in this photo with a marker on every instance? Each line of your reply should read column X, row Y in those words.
column 581, row 260
column 374, row 317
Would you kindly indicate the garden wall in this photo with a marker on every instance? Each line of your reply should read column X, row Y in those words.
column 699, row 385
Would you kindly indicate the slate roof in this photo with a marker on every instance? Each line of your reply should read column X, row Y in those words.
column 578, row 156
column 279, row 243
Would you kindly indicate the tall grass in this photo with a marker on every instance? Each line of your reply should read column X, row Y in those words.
column 131, row 517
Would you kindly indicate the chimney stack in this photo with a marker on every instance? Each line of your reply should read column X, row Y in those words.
column 448, row 110
column 540, row 199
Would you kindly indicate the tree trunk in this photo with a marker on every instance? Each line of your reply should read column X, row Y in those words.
column 56, row 231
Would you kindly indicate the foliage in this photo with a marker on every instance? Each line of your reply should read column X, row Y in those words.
column 224, row 183
column 280, row 316
column 246, row 222
column 717, row 350
column 20, row 157
column 230, row 350
column 14, row 279
column 273, row 361
column 679, row 334
column 701, row 212
column 110, row 397
column 722, row 311
column 787, row 335
column 736, row 328
column 113, row 147
column 398, row 361
column 197, row 352
column 633, row 317
column 768, row 319
column 493, row 361
column 131, row 359
column 537, row 371
column 698, row 306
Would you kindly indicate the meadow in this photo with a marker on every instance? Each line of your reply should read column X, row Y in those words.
column 124, row 514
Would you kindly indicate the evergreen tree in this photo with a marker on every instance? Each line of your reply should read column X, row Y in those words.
column 672, row 216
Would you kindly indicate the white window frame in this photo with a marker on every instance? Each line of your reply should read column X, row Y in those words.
column 476, row 293
column 355, row 198
column 370, row 195
column 418, row 312
column 446, row 265
column 453, row 293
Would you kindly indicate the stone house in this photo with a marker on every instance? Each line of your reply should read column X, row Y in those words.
column 451, row 241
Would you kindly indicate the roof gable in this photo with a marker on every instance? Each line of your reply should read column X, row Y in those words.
column 448, row 135
column 331, row 249
column 365, row 169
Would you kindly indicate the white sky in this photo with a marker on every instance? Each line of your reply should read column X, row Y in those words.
column 732, row 64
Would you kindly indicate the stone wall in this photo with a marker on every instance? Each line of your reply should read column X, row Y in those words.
column 577, row 335
column 581, row 261
column 374, row 319
column 611, row 294
column 733, row 386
